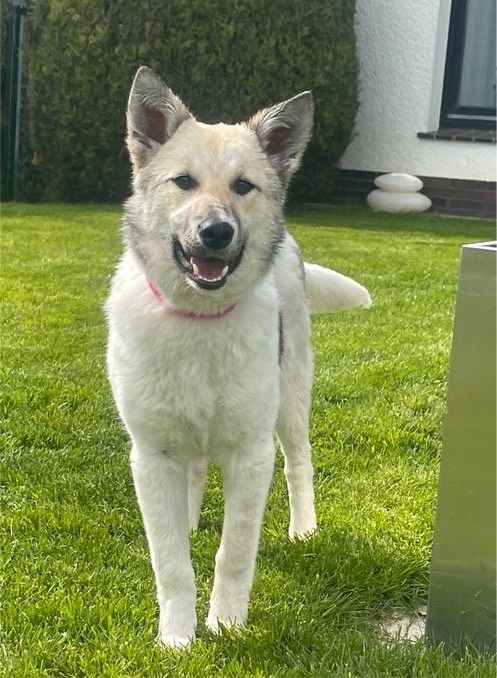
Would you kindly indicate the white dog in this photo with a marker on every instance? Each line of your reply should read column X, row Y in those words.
column 209, row 337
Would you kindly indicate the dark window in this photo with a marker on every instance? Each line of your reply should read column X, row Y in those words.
column 469, row 86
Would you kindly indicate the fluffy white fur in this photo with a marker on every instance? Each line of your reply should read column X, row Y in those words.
column 191, row 390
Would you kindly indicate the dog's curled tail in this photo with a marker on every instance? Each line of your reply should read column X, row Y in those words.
column 330, row 291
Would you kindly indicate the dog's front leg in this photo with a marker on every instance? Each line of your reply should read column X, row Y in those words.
column 161, row 488
column 246, row 478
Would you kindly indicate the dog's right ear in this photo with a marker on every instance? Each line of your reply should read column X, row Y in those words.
column 154, row 114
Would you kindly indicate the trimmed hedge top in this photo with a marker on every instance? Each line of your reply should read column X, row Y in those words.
column 225, row 59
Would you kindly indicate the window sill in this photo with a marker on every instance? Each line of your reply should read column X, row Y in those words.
column 457, row 134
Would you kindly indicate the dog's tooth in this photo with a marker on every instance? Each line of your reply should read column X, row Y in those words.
column 195, row 268
column 224, row 271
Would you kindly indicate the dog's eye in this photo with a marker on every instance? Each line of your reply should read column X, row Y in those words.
column 242, row 187
column 185, row 182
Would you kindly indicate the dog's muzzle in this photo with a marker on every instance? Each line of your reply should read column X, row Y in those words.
column 214, row 257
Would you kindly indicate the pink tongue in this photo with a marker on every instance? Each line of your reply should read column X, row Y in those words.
column 208, row 268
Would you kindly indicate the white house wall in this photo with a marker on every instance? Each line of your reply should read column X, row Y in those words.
column 401, row 47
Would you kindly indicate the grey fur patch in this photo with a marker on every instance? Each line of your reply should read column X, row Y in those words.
column 275, row 244
column 281, row 337
column 131, row 229
column 300, row 261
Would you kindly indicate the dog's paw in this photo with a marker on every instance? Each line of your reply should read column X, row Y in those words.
column 216, row 624
column 175, row 631
column 302, row 531
column 193, row 524
column 173, row 642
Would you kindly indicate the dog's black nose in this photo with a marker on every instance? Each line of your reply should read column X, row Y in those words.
column 216, row 234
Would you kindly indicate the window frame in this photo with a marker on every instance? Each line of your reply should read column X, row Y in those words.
column 451, row 114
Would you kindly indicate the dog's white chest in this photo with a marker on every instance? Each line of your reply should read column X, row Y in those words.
column 197, row 386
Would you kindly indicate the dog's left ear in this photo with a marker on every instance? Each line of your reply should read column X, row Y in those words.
column 284, row 131
column 154, row 114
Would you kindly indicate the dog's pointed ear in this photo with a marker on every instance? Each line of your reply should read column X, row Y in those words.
column 154, row 114
column 284, row 131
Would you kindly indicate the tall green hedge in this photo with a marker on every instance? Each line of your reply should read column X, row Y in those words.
column 224, row 58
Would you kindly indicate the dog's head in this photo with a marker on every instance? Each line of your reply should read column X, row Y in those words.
column 206, row 214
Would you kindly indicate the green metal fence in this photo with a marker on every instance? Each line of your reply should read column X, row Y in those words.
column 12, row 98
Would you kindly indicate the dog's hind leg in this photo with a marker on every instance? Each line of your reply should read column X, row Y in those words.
column 292, row 427
column 296, row 371
column 292, row 432
column 197, row 472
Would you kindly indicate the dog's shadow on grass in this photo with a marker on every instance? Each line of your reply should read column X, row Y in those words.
column 336, row 577
column 333, row 580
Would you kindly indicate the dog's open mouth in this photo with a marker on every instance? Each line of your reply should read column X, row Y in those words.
column 209, row 273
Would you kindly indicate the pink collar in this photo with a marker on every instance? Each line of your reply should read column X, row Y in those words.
column 185, row 313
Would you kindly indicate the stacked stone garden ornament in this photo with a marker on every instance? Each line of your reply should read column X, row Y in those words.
column 398, row 193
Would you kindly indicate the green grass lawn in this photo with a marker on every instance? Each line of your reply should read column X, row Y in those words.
column 77, row 595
